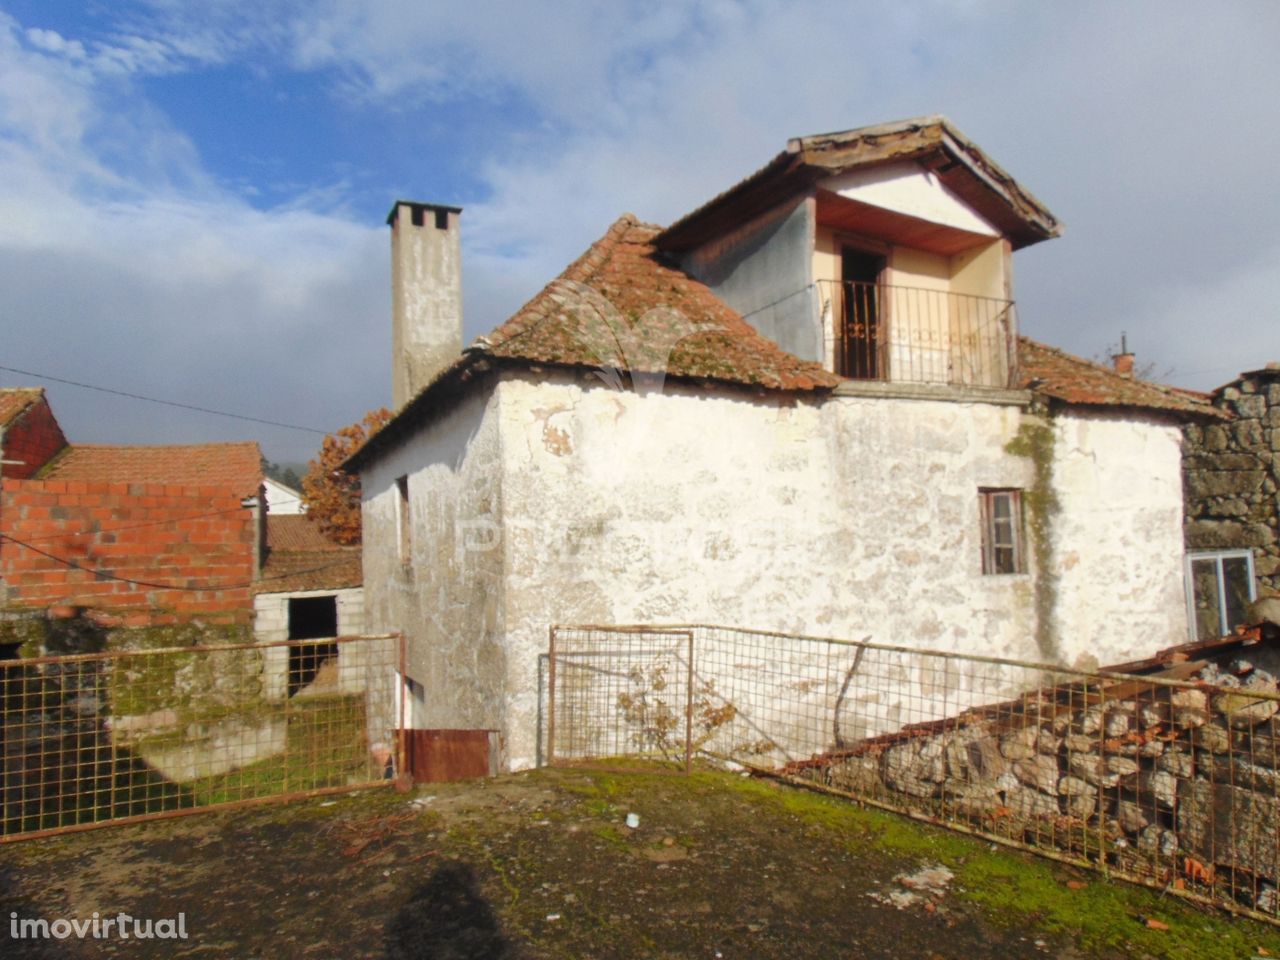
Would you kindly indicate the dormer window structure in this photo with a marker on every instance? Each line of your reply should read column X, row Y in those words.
column 882, row 253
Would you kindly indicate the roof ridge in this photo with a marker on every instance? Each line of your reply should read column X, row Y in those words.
column 581, row 270
column 1102, row 367
column 161, row 446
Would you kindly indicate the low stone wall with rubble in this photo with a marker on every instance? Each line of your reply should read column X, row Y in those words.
column 1162, row 782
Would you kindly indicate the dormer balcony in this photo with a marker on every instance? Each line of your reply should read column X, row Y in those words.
column 907, row 334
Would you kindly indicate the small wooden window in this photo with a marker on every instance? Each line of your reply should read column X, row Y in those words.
column 1002, row 550
column 404, row 528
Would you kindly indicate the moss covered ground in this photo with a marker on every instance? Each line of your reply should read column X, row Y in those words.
column 543, row 864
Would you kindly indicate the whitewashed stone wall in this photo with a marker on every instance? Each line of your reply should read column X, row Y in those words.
column 1117, row 546
column 549, row 501
column 447, row 600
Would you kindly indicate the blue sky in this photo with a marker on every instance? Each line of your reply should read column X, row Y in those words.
column 192, row 196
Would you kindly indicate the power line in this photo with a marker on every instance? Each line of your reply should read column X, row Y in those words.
column 104, row 575
column 167, row 403
column 133, row 526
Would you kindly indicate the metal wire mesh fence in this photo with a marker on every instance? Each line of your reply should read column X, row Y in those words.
column 1170, row 778
column 136, row 734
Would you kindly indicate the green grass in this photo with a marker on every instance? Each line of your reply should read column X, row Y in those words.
column 1012, row 886
column 326, row 747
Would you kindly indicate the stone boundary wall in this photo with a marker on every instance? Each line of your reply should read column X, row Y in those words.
column 1166, row 783
column 1232, row 475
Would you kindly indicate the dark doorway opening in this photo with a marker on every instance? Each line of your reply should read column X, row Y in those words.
column 311, row 618
column 862, row 353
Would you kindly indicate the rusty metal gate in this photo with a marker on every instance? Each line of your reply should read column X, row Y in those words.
column 130, row 735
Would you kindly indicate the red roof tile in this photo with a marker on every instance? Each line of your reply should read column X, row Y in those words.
column 236, row 465
column 1073, row 380
column 300, row 557
column 297, row 531
column 14, row 400
column 620, row 305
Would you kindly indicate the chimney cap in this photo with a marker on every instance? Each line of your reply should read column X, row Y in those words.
column 416, row 205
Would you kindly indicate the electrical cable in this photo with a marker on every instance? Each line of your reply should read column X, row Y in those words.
column 167, row 403
column 104, row 575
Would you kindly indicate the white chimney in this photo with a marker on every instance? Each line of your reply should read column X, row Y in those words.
column 426, row 295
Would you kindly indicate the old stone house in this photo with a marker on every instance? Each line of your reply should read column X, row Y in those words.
column 1232, row 486
column 806, row 406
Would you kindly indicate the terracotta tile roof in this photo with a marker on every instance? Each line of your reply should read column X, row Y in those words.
column 296, row 531
column 300, row 557
column 952, row 158
column 322, row 570
column 236, row 465
column 14, row 400
column 1072, row 380
column 621, row 305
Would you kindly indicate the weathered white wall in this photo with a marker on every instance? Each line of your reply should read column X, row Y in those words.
column 426, row 298
column 554, row 501
column 1117, row 547
column 447, row 601
column 855, row 517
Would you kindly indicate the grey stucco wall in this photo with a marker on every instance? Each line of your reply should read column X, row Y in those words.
column 764, row 270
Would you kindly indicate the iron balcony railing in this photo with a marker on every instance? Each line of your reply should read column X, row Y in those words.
column 878, row 331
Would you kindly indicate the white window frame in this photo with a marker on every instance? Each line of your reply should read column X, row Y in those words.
column 1218, row 556
column 986, row 497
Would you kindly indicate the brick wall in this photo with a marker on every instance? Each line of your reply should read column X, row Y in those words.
column 1232, row 475
column 32, row 438
column 193, row 548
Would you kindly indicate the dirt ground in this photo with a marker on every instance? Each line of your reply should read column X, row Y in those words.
column 544, row 865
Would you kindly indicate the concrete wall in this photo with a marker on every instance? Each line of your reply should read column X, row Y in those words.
column 271, row 612
column 764, row 270
column 448, row 599
column 271, row 625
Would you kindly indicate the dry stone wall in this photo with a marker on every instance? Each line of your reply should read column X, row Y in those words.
column 1232, row 474
column 1174, row 783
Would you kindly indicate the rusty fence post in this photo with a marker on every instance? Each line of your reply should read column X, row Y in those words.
column 688, row 711
column 404, row 776
column 551, row 697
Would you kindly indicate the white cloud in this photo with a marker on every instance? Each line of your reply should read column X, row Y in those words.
column 1143, row 125
column 155, row 280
